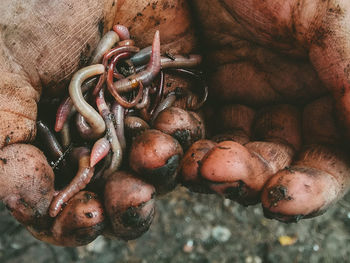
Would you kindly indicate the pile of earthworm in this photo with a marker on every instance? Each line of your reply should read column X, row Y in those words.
column 121, row 134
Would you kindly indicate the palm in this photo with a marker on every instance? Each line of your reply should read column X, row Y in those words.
column 256, row 54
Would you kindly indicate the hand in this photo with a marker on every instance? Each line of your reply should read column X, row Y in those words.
column 254, row 56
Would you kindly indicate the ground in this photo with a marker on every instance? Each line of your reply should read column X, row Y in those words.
column 199, row 228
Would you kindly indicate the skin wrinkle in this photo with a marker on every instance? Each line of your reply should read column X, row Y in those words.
column 226, row 40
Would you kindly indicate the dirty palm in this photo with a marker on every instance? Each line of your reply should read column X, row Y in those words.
column 276, row 118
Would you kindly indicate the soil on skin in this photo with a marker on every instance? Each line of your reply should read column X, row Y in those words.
column 198, row 228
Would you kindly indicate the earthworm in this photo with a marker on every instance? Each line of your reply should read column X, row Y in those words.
column 122, row 31
column 99, row 174
column 118, row 112
column 105, row 44
column 178, row 61
column 127, row 68
column 145, row 99
column 146, row 76
column 111, row 133
column 92, row 117
column 113, row 52
column 54, row 147
column 79, row 182
column 65, row 135
column 84, row 129
column 65, row 108
column 127, row 42
column 142, row 57
column 135, row 123
column 99, row 151
column 198, row 78
column 114, row 91
column 160, row 90
column 164, row 104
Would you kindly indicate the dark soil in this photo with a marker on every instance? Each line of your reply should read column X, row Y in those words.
column 198, row 228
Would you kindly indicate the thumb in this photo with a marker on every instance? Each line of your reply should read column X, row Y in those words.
column 26, row 179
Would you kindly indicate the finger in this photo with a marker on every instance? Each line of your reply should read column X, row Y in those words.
column 239, row 172
column 80, row 222
column 130, row 205
column 230, row 123
column 319, row 126
column 330, row 53
column 233, row 122
column 26, row 185
column 17, row 109
column 318, row 177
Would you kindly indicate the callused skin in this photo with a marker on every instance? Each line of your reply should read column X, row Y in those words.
column 238, row 38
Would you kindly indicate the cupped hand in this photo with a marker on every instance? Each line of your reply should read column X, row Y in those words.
column 278, row 82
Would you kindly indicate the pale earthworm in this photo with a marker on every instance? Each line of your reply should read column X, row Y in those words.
column 105, row 44
column 127, row 42
column 79, row 182
column 118, row 112
column 145, row 99
column 122, row 31
column 99, row 151
column 92, row 117
column 64, row 111
column 110, row 133
column 146, row 76
column 177, row 61
column 164, row 104
column 135, row 123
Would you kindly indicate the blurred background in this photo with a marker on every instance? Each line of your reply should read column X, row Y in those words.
column 193, row 227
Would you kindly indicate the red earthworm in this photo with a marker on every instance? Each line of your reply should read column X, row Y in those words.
column 127, row 42
column 105, row 44
column 119, row 112
column 65, row 108
column 115, row 93
column 164, row 104
column 146, row 76
column 49, row 140
column 78, row 183
column 117, row 75
column 160, row 90
column 99, row 151
column 92, row 117
column 145, row 99
column 178, row 61
column 114, row 52
column 111, row 133
column 122, row 31
column 198, row 78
